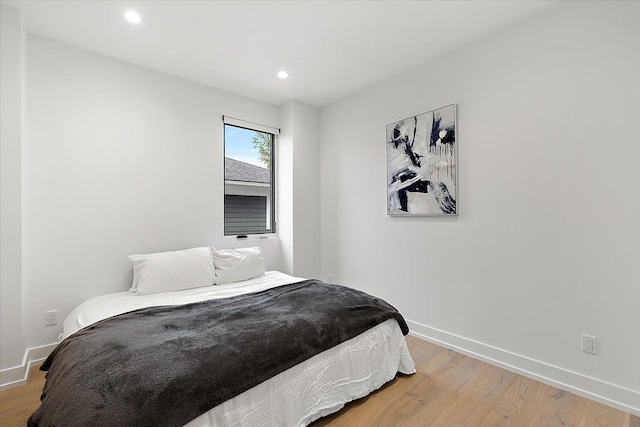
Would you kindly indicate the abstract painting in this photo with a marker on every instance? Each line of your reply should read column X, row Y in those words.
column 422, row 164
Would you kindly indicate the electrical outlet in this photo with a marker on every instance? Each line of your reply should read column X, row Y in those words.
column 589, row 344
column 50, row 317
column 330, row 278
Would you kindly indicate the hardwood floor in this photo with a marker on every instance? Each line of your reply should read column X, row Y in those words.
column 448, row 390
column 453, row 390
column 18, row 403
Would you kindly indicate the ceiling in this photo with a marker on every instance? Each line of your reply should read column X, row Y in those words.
column 331, row 49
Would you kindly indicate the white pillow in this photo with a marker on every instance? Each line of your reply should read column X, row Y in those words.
column 172, row 271
column 234, row 265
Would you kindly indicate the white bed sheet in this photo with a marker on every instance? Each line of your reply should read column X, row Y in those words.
column 318, row 386
column 298, row 396
column 102, row 307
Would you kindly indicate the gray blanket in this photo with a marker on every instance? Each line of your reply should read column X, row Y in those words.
column 165, row 366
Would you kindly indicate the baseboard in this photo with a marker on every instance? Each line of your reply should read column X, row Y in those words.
column 610, row 394
column 18, row 375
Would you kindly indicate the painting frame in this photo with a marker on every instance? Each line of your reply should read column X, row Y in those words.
column 422, row 164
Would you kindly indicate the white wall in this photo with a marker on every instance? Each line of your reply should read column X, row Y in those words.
column 122, row 160
column 11, row 224
column 298, row 179
column 547, row 243
column 284, row 186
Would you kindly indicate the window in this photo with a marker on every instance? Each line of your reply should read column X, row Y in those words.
column 249, row 206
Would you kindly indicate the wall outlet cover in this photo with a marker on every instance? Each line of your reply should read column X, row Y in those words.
column 50, row 317
column 589, row 344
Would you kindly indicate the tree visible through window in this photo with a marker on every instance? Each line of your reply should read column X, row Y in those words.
column 248, row 181
column 262, row 141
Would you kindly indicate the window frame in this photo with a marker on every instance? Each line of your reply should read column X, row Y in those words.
column 271, row 213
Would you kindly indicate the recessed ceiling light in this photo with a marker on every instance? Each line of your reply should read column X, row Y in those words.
column 132, row 17
column 283, row 74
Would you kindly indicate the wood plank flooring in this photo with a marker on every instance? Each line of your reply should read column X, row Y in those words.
column 453, row 390
column 448, row 390
column 18, row 403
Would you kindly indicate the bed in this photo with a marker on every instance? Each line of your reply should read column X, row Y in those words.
column 252, row 391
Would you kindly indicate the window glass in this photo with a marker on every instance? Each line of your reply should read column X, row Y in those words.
column 248, row 181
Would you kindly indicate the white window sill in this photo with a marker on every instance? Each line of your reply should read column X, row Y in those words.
column 269, row 236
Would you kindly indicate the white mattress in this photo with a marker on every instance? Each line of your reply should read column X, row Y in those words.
column 312, row 389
